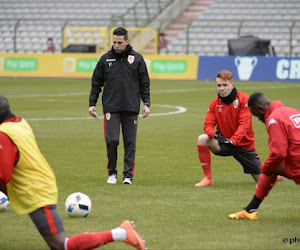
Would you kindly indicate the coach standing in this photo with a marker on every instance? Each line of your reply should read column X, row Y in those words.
column 123, row 74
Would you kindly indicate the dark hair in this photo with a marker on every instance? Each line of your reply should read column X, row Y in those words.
column 4, row 105
column 253, row 99
column 121, row 32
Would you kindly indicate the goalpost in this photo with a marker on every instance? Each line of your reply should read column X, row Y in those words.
column 86, row 35
column 143, row 39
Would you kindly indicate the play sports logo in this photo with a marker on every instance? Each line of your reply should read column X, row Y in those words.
column 70, row 65
column 19, row 64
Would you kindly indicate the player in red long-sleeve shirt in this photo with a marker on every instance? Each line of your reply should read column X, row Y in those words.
column 283, row 127
column 234, row 136
column 30, row 184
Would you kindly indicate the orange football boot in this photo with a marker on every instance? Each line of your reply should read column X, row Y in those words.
column 132, row 238
column 205, row 182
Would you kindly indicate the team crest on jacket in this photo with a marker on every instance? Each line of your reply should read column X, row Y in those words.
column 296, row 120
column 236, row 103
column 130, row 59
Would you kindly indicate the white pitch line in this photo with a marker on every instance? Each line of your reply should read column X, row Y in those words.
column 168, row 91
column 49, row 95
column 178, row 110
column 60, row 119
column 213, row 89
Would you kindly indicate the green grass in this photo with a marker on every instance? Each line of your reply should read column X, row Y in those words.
column 168, row 211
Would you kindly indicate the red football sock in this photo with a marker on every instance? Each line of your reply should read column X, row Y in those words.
column 89, row 240
column 205, row 159
column 264, row 185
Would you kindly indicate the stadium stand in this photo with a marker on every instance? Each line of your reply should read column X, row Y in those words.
column 26, row 25
column 275, row 20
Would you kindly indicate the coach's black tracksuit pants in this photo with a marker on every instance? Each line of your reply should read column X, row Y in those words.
column 112, row 122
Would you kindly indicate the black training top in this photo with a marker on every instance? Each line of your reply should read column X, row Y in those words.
column 125, row 80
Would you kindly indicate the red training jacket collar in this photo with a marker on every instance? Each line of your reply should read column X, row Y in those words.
column 273, row 105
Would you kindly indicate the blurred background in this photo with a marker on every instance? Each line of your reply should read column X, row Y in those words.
column 191, row 27
column 48, row 52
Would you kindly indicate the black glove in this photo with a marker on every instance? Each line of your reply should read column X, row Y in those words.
column 221, row 139
column 217, row 135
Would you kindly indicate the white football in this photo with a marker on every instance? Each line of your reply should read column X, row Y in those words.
column 4, row 202
column 78, row 205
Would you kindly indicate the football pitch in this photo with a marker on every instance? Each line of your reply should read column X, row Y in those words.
column 168, row 211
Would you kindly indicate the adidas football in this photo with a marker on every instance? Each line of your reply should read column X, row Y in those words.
column 78, row 205
column 4, row 202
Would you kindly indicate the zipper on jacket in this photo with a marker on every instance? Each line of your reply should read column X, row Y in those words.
column 122, row 87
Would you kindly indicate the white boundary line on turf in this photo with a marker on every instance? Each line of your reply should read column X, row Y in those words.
column 178, row 110
column 48, row 95
column 162, row 91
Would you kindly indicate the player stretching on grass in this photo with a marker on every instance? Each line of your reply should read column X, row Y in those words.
column 31, row 187
column 234, row 135
column 283, row 127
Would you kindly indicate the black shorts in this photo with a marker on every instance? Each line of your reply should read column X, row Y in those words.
column 247, row 158
column 47, row 220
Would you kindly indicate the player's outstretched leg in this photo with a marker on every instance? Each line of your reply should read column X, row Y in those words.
column 132, row 237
